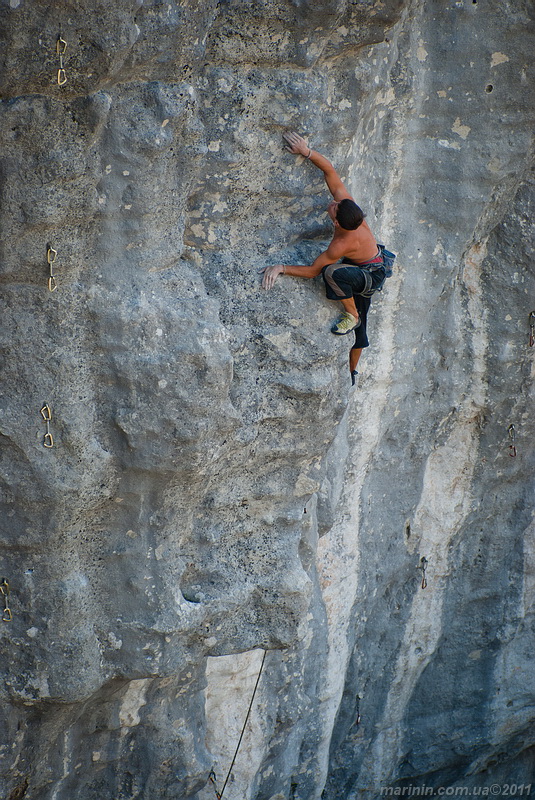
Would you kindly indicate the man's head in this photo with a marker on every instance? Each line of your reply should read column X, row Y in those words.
column 349, row 215
column 346, row 213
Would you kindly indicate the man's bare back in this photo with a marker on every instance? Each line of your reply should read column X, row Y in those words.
column 360, row 245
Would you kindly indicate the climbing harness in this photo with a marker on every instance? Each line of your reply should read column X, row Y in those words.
column 7, row 616
column 212, row 776
column 351, row 278
column 61, row 46
column 532, row 328
column 358, row 699
column 368, row 291
column 423, row 566
column 512, row 438
column 51, row 255
column 46, row 414
column 386, row 262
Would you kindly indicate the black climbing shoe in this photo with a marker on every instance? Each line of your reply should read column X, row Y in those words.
column 354, row 378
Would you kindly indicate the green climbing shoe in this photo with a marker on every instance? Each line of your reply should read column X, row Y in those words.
column 345, row 323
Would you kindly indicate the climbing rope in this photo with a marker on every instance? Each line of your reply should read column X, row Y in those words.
column 512, row 440
column 51, row 255
column 212, row 776
column 7, row 616
column 46, row 414
column 423, row 566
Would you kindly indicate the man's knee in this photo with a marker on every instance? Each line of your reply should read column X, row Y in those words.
column 328, row 274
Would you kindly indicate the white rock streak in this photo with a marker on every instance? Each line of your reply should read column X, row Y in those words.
column 230, row 685
column 444, row 504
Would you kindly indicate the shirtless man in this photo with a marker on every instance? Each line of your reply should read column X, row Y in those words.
column 354, row 242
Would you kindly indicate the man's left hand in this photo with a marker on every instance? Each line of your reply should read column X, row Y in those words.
column 270, row 275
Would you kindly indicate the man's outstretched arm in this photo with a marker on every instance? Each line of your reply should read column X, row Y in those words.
column 330, row 256
column 298, row 146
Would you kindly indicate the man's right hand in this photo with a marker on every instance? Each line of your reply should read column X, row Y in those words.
column 270, row 275
column 298, row 146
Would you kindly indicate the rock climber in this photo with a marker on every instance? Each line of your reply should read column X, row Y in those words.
column 362, row 271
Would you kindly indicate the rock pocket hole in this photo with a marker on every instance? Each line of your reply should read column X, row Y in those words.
column 189, row 597
column 407, row 529
column 19, row 791
column 489, row 88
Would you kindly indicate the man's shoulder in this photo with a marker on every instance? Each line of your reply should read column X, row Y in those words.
column 342, row 246
column 356, row 245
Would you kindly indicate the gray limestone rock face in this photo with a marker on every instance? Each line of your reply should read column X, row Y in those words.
column 187, row 478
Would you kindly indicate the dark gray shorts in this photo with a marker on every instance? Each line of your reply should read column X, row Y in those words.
column 346, row 280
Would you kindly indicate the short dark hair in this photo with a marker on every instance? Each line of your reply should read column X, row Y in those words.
column 349, row 215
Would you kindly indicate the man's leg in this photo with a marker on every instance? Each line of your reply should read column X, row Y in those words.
column 341, row 283
column 354, row 356
column 362, row 305
column 349, row 306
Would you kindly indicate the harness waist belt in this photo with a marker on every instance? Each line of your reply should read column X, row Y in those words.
column 371, row 265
